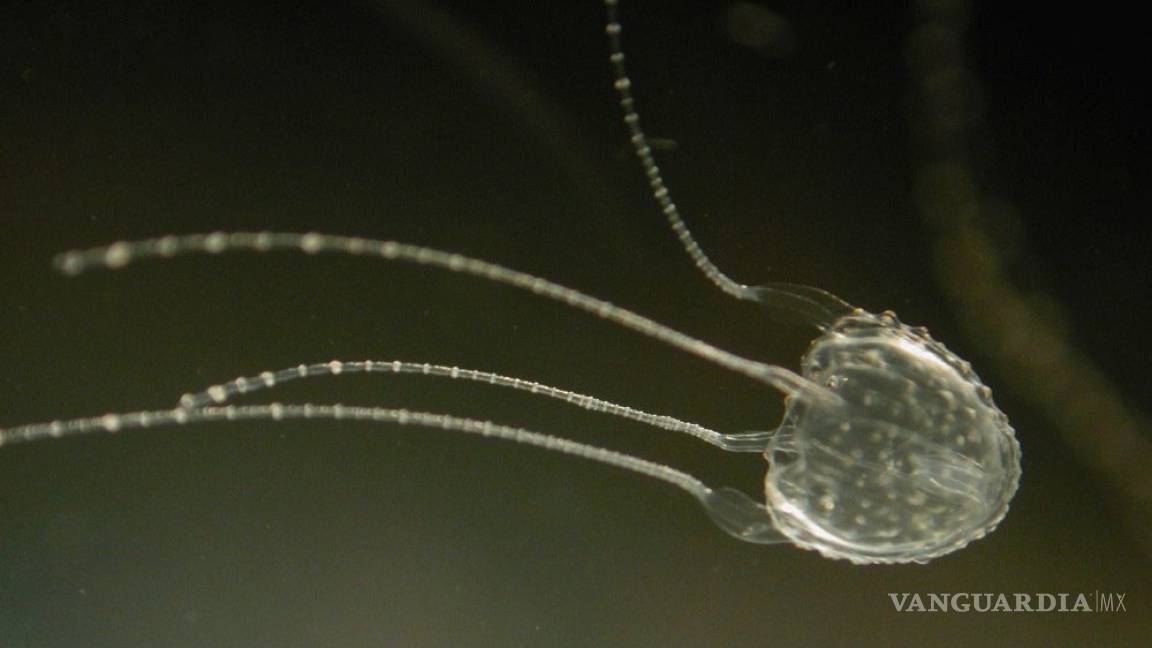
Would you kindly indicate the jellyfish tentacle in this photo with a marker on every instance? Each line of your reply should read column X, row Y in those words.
column 643, row 150
column 223, row 392
column 123, row 253
column 114, row 423
column 812, row 306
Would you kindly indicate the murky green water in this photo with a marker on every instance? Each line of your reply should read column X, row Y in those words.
column 492, row 132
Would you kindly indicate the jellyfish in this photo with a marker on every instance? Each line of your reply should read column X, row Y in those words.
column 891, row 449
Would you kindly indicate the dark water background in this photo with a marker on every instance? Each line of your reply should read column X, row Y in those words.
column 490, row 129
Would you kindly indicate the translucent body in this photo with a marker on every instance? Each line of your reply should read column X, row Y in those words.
column 894, row 452
column 891, row 449
column 916, row 462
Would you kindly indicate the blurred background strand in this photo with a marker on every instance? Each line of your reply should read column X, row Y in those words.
column 1022, row 340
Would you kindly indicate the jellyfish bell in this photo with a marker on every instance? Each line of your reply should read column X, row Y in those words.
column 913, row 462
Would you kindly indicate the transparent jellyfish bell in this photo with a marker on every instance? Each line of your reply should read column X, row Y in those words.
column 911, row 459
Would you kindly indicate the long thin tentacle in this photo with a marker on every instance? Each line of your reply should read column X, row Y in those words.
column 120, row 254
column 733, row 511
column 221, row 393
column 623, row 85
column 277, row 411
column 812, row 305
